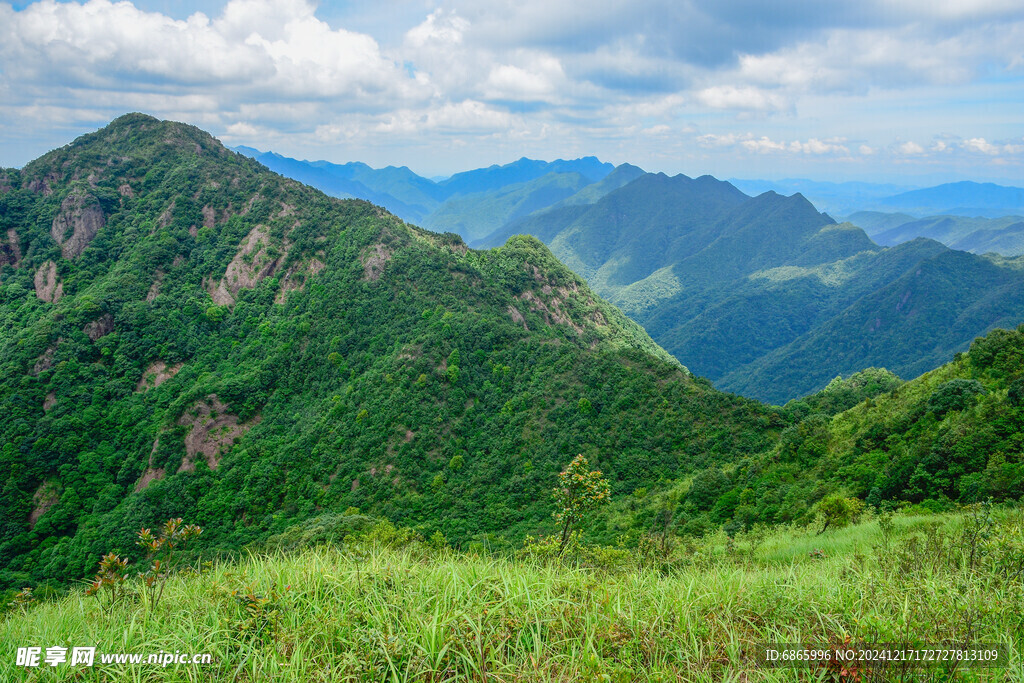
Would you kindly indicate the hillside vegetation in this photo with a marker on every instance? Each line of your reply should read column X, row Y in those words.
column 384, row 606
column 186, row 334
column 952, row 436
column 766, row 296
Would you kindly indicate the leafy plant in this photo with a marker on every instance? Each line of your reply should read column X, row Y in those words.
column 160, row 554
column 578, row 492
column 109, row 579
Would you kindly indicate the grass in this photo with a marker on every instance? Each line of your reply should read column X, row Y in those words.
column 372, row 613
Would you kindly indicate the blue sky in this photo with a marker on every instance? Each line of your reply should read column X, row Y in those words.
column 919, row 91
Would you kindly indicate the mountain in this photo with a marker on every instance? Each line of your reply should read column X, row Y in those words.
column 765, row 295
column 952, row 434
column 478, row 214
column 622, row 175
column 472, row 204
column 399, row 190
column 184, row 333
column 837, row 199
column 978, row 235
column 495, row 177
column 876, row 222
column 965, row 198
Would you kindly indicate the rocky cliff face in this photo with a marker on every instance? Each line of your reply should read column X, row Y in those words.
column 77, row 223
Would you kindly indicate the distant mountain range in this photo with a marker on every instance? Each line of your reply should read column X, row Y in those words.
column 979, row 235
column 461, row 203
column 766, row 296
column 965, row 198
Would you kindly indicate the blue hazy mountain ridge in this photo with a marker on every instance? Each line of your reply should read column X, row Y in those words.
column 461, row 203
column 964, row 198
column 478, row 214
column 837, row 199
column 495, row 177
column 411, row 198
column 736, row 287
column 1004, row 235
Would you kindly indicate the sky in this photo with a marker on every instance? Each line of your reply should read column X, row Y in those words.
column 915, row 91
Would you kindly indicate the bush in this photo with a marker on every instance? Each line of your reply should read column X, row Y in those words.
column 837, row 511
column 1015, row 395
column 955, row 394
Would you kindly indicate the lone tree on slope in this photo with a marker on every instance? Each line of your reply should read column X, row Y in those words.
column 578, row 492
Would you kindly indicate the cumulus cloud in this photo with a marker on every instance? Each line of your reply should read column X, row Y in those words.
column 910, row 148
column 765, row 145
column 277, row 70
column 732, row 97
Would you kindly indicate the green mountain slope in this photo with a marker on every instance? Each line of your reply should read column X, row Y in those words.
column 910, row 325
column 978, row 235
column 185, row 333
column 768, row 297
column 953, row 435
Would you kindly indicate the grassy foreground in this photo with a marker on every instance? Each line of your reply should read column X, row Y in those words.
column 368, row 612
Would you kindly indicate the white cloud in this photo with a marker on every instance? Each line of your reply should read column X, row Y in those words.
column 731, row 97
column 981, row 145
column 626, row 75
column 765, row 145
column 910, row 148
column 536, row 81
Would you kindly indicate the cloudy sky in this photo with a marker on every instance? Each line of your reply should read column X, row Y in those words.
column 917, row 91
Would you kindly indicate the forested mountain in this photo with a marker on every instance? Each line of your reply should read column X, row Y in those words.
column 953, row 434
column 184, row 333
column 978, row 235
column 765, row 295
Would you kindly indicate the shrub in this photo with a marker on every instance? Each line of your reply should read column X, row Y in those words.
column 955, row 394
column 578, row 491
column 837, row 511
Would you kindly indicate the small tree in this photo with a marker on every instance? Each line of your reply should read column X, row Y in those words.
column 160, row 553
column 838, row 511
column 578, row 492
column 109, row 579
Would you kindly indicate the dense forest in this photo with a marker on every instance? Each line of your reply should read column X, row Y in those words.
column 187, row 334
column 184, row 333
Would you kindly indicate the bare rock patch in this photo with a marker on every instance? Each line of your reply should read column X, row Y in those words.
column 156, row 374
column 45, row 497
column 76, row 224
column 154, row 289
column 253, row 262
column 374, row 259
column 212, row 432
column 48, row 287
column 100, row 327
column 517, row 317
column 45, row 359
column 10, row 249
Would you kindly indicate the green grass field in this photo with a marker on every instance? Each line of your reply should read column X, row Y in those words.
column 371, row 611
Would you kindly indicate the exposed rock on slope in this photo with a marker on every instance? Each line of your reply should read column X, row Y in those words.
column 77, row 223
